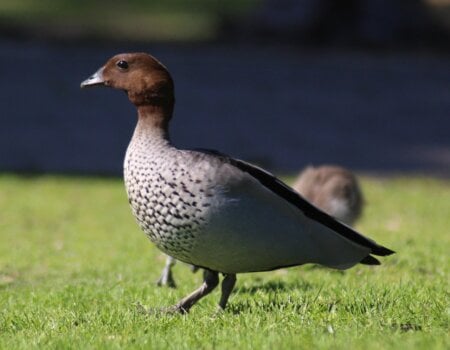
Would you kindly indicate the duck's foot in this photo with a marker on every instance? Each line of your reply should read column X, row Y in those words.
column 166, row 278
column 160, row 311
column 210, row 281
column 228, row 284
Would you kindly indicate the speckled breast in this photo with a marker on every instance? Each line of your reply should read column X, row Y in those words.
column 169, row 203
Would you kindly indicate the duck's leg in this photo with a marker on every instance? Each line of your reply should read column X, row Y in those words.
column 227, row 287
column 166, row 278
column 210, row 281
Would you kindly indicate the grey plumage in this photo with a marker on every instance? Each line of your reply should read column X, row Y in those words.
column 202, row 209
column 333, row 189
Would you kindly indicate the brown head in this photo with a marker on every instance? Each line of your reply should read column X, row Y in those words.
column 146, row 81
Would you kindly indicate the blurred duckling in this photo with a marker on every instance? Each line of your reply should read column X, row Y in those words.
column 333, row 189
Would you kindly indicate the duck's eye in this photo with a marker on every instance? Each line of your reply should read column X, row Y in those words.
column 122, row 64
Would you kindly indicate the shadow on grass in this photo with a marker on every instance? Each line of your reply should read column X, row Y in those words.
column 274, row 304
column 274, row 286
column 277, row 297
column 406, row 327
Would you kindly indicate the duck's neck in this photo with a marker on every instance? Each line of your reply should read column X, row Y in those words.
column 153, row 124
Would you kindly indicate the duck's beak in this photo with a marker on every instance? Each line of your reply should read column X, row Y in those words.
column 94, row 80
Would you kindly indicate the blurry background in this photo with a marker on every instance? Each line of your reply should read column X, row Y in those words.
column 283, row 83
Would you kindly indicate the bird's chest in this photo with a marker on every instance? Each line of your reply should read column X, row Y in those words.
column 170, row 204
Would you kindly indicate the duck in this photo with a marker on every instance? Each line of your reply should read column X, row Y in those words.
column 211, row 210
column 334, row 189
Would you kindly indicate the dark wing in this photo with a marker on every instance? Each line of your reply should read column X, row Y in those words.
column 280, row 188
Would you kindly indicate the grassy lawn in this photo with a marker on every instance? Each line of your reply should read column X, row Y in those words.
column 73, row 266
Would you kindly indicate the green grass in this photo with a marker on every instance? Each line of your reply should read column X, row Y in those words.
column 73, row 266
column 138, row 20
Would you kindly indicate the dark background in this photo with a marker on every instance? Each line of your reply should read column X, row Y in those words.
column 281, row 83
